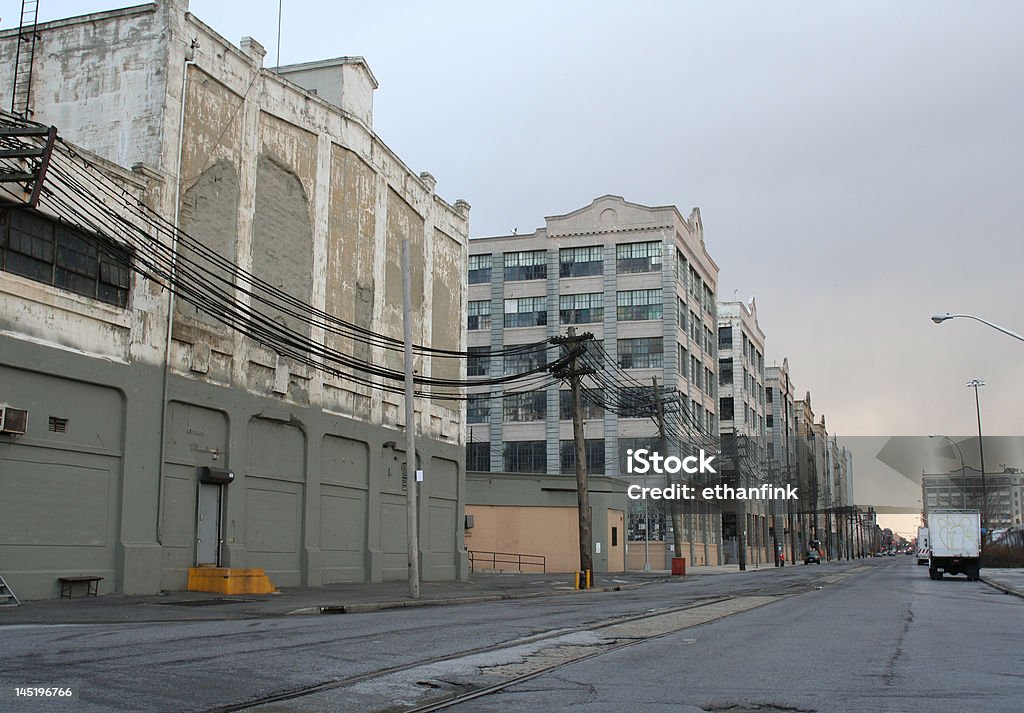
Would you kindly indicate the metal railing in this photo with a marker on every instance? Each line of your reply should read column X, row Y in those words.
column 492, row 560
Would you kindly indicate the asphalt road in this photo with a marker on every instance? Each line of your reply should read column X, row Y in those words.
column 877, row 635
column 889, row 639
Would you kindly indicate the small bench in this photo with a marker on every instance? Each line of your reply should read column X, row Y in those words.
column 92, row 585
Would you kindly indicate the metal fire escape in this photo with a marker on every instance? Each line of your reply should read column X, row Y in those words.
column 21, row 92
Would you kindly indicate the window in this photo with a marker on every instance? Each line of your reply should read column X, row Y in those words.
column 771, row 450
column 768, row 394
column 33, row 246
column 696, row 373
column 651, row 443
column 526, row 312
column 725, row 409
column 725, row 372
column 638, row 304
column 478, row 457
column 695, row 333
column 478, row 361
column 684, row 359
column 594, row 449
column 709, row 340
column 529, row 265
column 681, row 314
column 725, row 337
column 478, row 408
column 681, row 268
column 638, row 257
column 709, row 381
column 479, row 269
column 769, row 421
column 581, row 309
column 479, row 312
column 527, row 406
column 526, row 360
column 591, row 398
column 525, row 456
column 641, row 353
column 696, row 285
column 581, row 262
column 709, row 300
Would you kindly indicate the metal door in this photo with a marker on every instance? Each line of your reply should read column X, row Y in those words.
column 208, row 525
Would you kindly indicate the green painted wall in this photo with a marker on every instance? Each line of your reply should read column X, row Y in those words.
column 316, row 498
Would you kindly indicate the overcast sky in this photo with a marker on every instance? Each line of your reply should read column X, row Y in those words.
column 858, row 165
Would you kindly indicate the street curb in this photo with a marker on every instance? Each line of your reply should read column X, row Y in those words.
column 1002, row 588
column 361, row 608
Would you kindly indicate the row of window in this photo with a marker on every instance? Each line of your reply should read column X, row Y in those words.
column 690, row 279
column 572, row 262
column 631, row 305
column 531, row 456
column 33, row 246
column 634, row 402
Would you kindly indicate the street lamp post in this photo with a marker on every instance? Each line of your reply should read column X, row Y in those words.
column 975, row 384
column 943, row 316
column 963, row 468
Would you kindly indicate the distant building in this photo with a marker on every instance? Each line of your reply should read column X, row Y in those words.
column 742, row 427
column 824, row 473
column 281, row 173
column 780, row 429
column 641, row 280
column 1000, row 499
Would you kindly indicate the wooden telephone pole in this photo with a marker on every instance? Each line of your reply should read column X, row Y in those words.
column 575, row 373
column 675, row 506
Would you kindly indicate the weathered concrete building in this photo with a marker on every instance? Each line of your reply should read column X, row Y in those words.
column 280, row 173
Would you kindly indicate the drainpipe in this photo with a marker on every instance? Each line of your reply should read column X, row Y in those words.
column 189, row 61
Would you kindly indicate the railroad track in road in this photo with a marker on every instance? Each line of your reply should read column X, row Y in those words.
column 549, row 654
column 626, row 641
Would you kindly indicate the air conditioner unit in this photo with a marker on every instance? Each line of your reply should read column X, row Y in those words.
column 13, row 420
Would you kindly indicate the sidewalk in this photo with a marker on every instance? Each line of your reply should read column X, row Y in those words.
column 1008, row 580
column 328, row 599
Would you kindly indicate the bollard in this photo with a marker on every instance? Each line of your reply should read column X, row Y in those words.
column 588, row 579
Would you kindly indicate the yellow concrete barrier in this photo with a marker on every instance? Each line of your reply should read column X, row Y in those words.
column 228, row 580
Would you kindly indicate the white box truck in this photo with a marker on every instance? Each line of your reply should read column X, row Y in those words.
column 922, row 546
column 955, row 539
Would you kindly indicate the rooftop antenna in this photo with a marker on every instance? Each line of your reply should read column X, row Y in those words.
column 280, row 4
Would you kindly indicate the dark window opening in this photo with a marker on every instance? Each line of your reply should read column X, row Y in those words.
column 41, row 249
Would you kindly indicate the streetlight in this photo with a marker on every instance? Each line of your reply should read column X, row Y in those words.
column 974, row 384
column 943, row 316
column 963, row 468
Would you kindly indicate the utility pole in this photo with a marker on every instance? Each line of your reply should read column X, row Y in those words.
column 775, row 513
column 741, row 512
column 575, row 375
column 975, row 383
column 675, row 507
column 411, row 519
